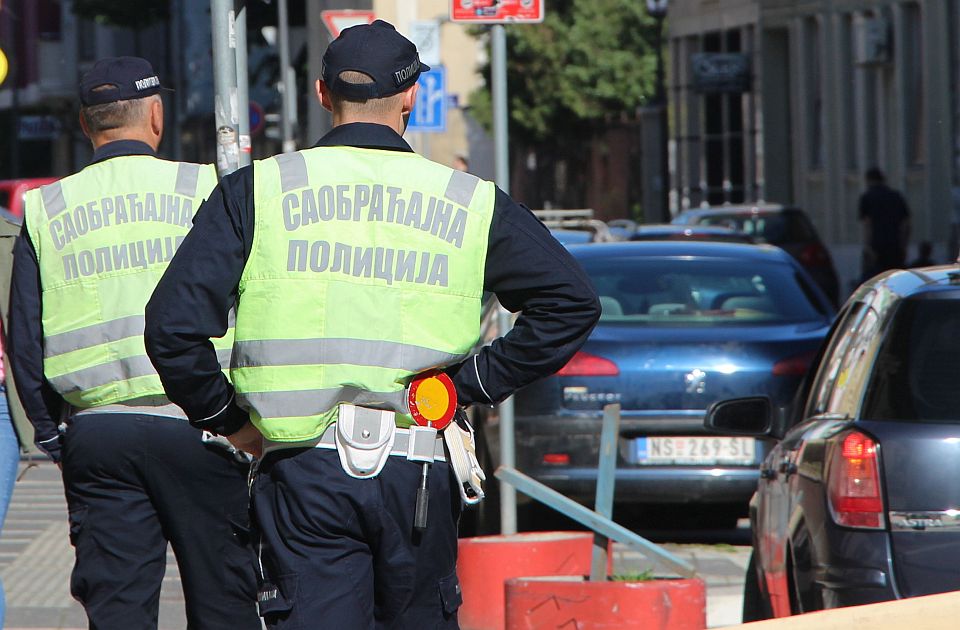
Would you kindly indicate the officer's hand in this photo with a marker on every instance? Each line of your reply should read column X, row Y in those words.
column 248, row 439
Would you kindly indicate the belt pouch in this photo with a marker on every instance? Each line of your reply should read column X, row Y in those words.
column 364, row 439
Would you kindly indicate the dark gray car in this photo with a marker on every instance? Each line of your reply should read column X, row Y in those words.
column 859, row 502
column 786, row 227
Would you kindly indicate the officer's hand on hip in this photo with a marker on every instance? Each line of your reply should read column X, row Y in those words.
column 248, row 439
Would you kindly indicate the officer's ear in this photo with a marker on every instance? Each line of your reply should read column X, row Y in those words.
column 409, row 98
column 156, row 117
column 323, row 94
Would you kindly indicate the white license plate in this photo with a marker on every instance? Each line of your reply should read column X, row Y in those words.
column 694, row 450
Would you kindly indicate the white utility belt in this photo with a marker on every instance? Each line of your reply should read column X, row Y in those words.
column 364, row 438
column 401, row 443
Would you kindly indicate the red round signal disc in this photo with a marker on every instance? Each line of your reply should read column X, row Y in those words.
column 432, row 400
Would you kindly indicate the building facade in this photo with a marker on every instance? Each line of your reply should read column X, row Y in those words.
column 834, row 87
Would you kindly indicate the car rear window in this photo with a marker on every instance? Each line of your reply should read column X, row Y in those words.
column 916, row 376
column 699, row 291
column 766, row 227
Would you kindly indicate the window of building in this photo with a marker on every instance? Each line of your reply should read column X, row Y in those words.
column 48, row 16
column 848, row 121
column 814, row 92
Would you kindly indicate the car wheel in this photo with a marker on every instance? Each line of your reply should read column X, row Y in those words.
column 756, row 607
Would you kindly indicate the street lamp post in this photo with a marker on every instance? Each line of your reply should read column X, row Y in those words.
column 657, row 9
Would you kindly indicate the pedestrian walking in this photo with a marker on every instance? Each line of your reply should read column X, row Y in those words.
column 136, row 474
column 885, row 218
column 15, row 431
column 359, row 265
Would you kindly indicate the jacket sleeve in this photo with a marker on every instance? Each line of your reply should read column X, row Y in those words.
column 190, row 305
column 45, row 408
column 533, row 274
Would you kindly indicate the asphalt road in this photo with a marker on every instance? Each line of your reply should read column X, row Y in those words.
column 36, row 559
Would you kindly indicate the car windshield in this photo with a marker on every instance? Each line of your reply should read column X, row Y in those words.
column 916, row 374
column 767, row 227
column 695, row 291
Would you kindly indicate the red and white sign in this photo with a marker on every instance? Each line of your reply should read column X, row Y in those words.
column 337, row 21
column 496, row 11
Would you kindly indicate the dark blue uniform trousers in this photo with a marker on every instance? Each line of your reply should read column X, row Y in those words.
column 134, row 482
column 342, row 553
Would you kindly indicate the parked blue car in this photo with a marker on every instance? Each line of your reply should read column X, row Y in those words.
column 859, row 502
column 684, row 324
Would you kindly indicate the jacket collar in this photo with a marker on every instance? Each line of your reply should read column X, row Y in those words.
column 119, row 148
column 366, row 136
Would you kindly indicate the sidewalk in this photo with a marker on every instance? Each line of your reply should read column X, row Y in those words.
column 36, row 559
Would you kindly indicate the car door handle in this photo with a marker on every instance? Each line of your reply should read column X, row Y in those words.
column 768, row 473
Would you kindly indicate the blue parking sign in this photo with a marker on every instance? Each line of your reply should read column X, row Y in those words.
column 430, row 111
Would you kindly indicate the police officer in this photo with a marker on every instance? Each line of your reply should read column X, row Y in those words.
column 136, row 474
column 358, row 265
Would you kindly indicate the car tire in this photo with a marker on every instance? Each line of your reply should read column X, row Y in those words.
column 756, row 607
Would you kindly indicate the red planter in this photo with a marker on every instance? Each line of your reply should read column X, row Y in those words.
column 572, row 602
column 485, row 562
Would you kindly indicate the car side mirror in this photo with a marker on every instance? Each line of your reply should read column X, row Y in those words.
column 742, row 416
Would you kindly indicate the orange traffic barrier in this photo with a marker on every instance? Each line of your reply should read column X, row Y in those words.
column 659, row 604
column 485, row 562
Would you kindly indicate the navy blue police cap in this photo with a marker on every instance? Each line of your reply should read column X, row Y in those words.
column 376, row 50
column 118, row 79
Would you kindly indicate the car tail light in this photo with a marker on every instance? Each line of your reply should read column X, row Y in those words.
column 814, row 255
column 556, row 459
column 854, row 483
column 795, row 365
column 586, row 364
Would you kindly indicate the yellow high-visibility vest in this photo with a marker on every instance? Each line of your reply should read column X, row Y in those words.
column 103, row 238
column 366, row 268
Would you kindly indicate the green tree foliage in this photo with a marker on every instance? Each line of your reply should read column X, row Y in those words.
column 590, row 61
column 133, row 14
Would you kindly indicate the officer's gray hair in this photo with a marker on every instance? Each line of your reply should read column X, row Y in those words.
column 117, row 114
column 375, row 106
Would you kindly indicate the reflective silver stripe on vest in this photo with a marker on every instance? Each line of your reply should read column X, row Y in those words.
column 461, row 187
column 384, row 354
column 115, row 371
column 187, row 176
column 293, row 171
column 317, row 401
column 89, row 336
column 52, row 195
column 104, row 332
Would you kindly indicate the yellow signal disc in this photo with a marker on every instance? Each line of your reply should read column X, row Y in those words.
column 432, row 399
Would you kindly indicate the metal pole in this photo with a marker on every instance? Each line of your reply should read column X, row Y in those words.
column 500, row 143
column 283, row 44
column 606, row 480
column 225, row 86
column 508, row 495
column 508, row 454
column 243, row 85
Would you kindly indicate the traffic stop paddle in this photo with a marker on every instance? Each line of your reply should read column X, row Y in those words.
column 433, row 401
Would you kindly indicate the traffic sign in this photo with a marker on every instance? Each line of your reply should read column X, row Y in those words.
column 496, row 11
column 257, row 121
column 430, row 111
column 426, row 36
column 4, row 66
column 339, row 20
